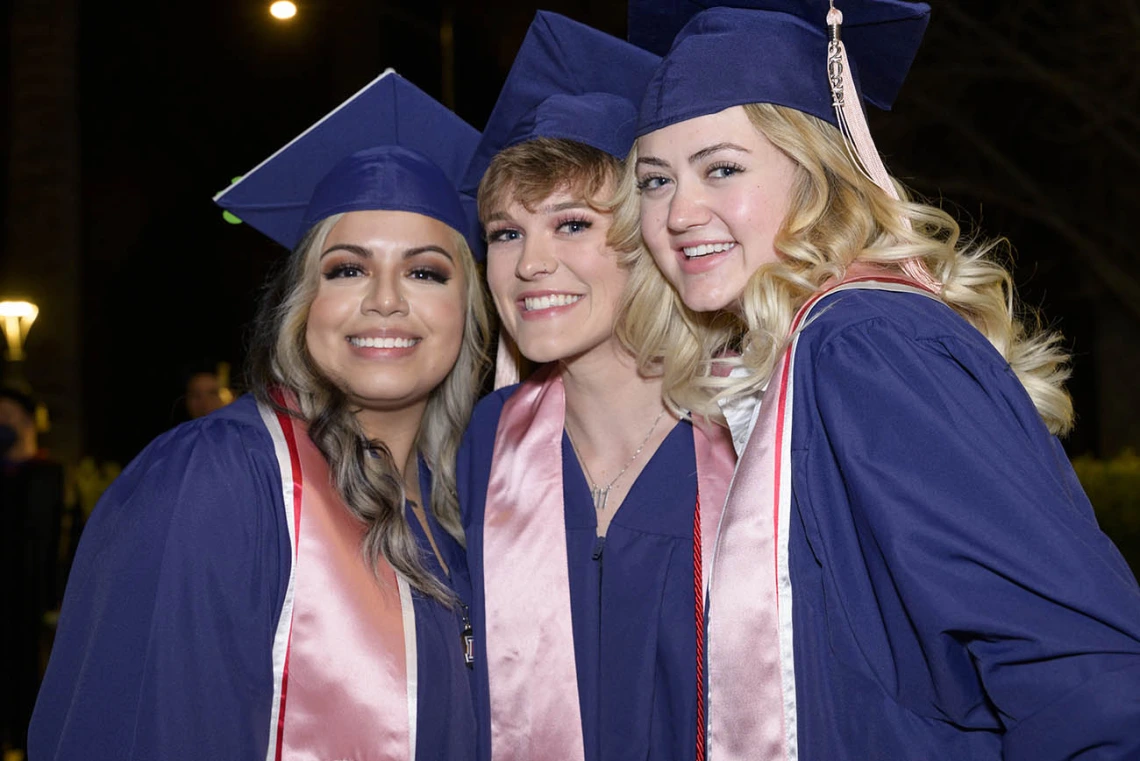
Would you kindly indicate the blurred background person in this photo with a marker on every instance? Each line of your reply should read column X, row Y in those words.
column 205, row 388
column 31, row 507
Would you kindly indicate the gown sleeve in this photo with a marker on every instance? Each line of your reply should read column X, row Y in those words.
column 980, row 545
column 164, row 643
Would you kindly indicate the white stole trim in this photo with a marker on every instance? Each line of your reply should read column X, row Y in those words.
column 411, row 656
column 285, row 622
column 783, row 573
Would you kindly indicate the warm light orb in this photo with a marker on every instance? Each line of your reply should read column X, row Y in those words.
column 19, row 309
column 16, row 318
column 283, row 9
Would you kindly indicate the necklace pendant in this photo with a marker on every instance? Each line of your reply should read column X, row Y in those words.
column 600, row 497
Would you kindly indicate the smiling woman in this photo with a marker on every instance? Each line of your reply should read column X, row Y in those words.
column 906, row 565
column 581, row 467
column 555, row 280
column 387, row 318
column 714, row 192
column 285, row 578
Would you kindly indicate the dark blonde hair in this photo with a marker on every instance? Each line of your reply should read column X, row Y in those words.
column 530, row 172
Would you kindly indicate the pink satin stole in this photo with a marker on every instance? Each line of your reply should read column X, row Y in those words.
column 535, row 712
column 349, row 688
column 752, row 699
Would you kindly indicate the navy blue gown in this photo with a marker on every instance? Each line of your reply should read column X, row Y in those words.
column 164, row 643
column 631, row 595
column 954, row 598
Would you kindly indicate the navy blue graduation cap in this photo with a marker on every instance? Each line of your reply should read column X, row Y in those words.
column 390, row 146
column 568, row 81
column 723, row 54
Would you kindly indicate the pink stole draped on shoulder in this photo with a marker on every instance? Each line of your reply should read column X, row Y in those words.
column 535, row 711
column 752, row 690
column 345, row 650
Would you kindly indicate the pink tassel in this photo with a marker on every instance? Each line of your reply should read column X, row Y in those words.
column 506, row 362
column 857, row 135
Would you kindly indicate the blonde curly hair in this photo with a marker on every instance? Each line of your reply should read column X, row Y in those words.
column 836, row 217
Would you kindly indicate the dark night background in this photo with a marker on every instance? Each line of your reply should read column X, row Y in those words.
column 122, row 121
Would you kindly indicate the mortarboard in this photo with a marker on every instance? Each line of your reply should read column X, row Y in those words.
column 571, row 82
column 390, row 146
column 568, row 81
column 723, row 54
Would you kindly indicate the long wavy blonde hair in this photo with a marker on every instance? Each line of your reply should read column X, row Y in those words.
column 836, row 217
column 363, row 471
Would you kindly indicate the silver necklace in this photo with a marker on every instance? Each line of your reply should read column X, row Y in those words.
column 602, row 493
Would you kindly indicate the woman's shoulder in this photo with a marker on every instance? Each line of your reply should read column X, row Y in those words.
column 204, row 500
column 870, row 356
column 492, row 403
column 177, row 585
column 240, row 420
column 884, row 317
column 225, row 457
column 485, row 416
column 476, row 451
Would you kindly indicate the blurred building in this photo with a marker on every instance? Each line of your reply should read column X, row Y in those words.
column 42, row 216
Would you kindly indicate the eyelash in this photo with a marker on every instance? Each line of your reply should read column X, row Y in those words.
column 343, row 270
column 585, row 224
column 497, row 236
column 501, row 235
column 643, row 183
column 429, row 273
column 734, row 168
column 349, row 269
column 646, row 183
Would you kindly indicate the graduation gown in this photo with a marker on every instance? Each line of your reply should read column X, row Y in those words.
column 166, row 638
column 631, row 596
column 951, row 596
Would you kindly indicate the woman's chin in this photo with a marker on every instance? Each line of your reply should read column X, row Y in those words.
column 711, row 300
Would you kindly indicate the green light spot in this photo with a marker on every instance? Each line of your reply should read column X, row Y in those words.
column 233, row 220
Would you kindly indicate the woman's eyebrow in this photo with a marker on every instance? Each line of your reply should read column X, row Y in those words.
column 652, row 161
column 416, row 250
column 555, row 208
column 360, row 251
column 704, row 153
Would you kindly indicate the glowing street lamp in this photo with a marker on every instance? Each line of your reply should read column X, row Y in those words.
column 283, row 9
column 17, row 318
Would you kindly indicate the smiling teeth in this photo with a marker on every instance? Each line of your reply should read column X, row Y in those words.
column 706, row 248
column 383, row 343
column 546, row 302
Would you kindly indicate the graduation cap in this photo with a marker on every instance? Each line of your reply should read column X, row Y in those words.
column 568, row 81
column 723, row 54
column 390, row 147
